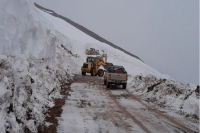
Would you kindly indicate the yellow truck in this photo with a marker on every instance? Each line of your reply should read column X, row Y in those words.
column 91, row 51
column 92, row 65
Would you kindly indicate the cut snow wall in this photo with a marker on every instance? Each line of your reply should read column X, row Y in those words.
column 24, row 31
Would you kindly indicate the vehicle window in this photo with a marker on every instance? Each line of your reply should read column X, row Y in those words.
column 115, row 68
column 111, row 69
column 123, row 70
column 90, row 59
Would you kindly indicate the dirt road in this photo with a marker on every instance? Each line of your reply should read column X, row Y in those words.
column 91, row 108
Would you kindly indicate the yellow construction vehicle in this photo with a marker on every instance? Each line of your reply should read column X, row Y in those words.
column 92, row 51
column 92, row 65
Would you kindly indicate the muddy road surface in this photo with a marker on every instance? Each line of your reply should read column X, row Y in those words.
column 92, row 108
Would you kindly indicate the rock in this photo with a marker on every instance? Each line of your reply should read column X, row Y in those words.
column 197, row 89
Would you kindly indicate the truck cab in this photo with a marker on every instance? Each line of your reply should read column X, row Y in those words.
column 92, row 65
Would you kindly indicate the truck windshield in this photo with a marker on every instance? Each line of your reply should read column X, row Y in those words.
column 92, row 49
column 90, row 59
column 116, row 69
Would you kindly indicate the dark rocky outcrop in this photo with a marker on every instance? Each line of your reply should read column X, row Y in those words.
column 197, row 89
column 154, row 85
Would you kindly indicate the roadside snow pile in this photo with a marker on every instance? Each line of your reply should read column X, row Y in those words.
column 180, row 98
column 23, row 30
column 34, row 64
column 28, row 89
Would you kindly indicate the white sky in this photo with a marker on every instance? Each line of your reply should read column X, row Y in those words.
column 163, row 33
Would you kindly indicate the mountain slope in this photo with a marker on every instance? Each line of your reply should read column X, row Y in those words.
column 85, row 30
column 84, row 41
column 153, row 86
column 39, row 55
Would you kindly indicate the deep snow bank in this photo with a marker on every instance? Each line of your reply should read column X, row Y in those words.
column 29, row 87
column 34, row 63
column 24, row 31
column 165, row 93
column 26, row 95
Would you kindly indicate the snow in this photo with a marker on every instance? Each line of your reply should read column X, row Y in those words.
column 3, row 89
column 88, row 111
column 24, row 30
column 69, row 30
column 39, row 53
column 169, row 95
column 29, row 93
column 30, row 75
column 132, row 65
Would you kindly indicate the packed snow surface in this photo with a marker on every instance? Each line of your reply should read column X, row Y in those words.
column 89, row 110
column 39, row 52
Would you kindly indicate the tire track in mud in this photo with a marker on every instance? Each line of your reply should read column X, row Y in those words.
column 177, row 124
column 127, row 113
column 56, row 111
column 171, row 122
column 120, row 109
column 174, row 125
column 111, row 119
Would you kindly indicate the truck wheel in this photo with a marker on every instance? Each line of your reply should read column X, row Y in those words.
column 100, row 72
column 93, row 72
column 107, row 85
column 104, row 82
column 124, row 86
column 83, row 73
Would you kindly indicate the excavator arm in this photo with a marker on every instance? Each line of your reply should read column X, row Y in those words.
column 104, row 56
column 101, row 61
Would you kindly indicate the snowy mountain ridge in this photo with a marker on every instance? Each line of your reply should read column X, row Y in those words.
column 85, row 30
column 40, row 53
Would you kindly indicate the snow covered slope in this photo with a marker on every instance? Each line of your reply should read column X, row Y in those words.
column 23, row 30
column 117, row 57
column 38, row 54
